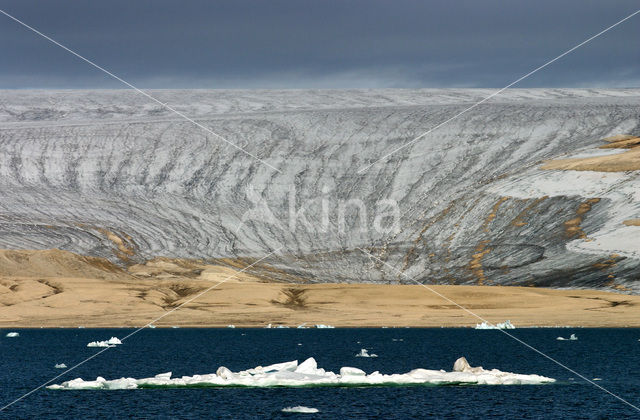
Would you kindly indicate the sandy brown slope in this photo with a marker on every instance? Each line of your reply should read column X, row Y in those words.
column 61, row 289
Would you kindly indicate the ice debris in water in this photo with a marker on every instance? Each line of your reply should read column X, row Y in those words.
column 112, row 342
column 324, row 326
column 506, row 325
column 300, row 409
column 60, row 366
column 572, row 337
column 307, row 373
column 13, row 334
column 365, row 353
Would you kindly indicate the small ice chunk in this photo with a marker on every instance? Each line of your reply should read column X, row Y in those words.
column 324, row 326
column 60, row 366
column 224, row 373
column 112, row 342
column 13, row 334
column 308, row 366
column 300, row 409
column 506, row 325
column 365, row 353
column 572, row 337
column 351, row 371
column 231, row 326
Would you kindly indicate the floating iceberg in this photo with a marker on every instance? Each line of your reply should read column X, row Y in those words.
column 324, row 326
column 231, row 326
column 572, row 337
column 60, row 366
column 365, row 353
column 300, row 409
column 13, row 334
column 307, row 373
column 112, row 342
column 506, row 325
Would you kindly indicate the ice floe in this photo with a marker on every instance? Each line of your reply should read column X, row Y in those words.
column 572, row 337
column 307, row 373
column 13, row 334
column 112, row 342
column 506, row 325
column 324, row 326
column 300, row 409
column 365, row 353
column 60, row 366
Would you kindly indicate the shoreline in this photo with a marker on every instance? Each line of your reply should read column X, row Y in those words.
column 92, row 303
column 58, row 289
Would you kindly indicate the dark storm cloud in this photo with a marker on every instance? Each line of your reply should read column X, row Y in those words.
column 295, row 43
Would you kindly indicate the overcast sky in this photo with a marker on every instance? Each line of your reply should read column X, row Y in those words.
column 319, row 44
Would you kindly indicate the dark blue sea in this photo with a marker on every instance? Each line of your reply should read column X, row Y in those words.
column 611, row 354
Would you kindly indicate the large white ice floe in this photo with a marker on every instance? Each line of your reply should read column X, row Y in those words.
column 506, row 325
column 300, row 409
column 307, row 373
column 112, row 342
column 12, row 334
column 365, row 353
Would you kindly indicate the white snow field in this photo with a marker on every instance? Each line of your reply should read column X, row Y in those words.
column 307, row 373
column 80, row 168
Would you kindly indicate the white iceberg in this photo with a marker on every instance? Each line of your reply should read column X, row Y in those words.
column 572, row 337
column 324, row 326
column 112, row 342
column 60, row 366
column 300, row 409
column 13, row 334
column 506, row 325
column 365, row 353
column 231, row 326
column 307, row 373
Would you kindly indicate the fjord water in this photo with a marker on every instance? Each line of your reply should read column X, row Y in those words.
column 610, row 354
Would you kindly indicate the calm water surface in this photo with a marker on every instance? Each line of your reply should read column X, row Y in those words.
column 610, row 354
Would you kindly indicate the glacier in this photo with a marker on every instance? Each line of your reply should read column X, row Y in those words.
column 307, row 373
column 108, row 174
